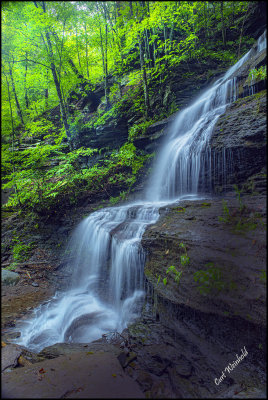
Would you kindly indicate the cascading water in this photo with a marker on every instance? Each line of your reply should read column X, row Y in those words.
column 107, row 288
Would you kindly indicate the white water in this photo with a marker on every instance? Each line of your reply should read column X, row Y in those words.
column 107, row 289
column 262, row 42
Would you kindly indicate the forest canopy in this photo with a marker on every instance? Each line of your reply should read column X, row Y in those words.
column 55, row 52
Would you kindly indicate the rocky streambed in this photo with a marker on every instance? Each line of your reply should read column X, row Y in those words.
column 186, row 337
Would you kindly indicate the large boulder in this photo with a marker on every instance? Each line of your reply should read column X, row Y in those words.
column 9, row 278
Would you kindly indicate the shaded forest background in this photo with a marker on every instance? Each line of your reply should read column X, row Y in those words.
column 70, row 69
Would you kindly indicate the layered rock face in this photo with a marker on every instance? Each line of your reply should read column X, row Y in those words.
column 202, row 320
column 238, row 146
column 218, row 305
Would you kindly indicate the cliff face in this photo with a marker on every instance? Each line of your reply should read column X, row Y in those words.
column 217, row 305
column 239, row 141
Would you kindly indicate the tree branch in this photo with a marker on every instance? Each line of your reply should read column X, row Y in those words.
column 36, row 62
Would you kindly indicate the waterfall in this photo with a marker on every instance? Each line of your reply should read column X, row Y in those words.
column 107, row 291
column 262, row 42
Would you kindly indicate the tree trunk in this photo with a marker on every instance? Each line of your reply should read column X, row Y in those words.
column 104, row 53
column 85, row 26
column 70, row 61
column 241, row 32
column 223, row 26
column 106, row 58
column 19, row 112
column 57, row 84
column 25, row 84
column 13, row 139
column 144, row 79
column 46, row 94
column 77, row 49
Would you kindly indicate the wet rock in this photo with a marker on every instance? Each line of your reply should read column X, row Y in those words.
column 9, row 278
column 22, row 361
column 9, row 356
column 145, row 380
column 126, row 358
column 12, row 335
column 238, row 143
column 77, row 323
column 205, row 330
column 122, row 359
column 155, row 365
column 59, row 349
column 184, row 368
column 98, row 376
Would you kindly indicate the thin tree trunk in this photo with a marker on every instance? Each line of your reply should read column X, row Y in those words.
column 13, row 139
column 241, row 32
column 19, row 112
column 77, row 49
column 130, row 8
column 205, row 18
column 154, row 48
column 70, row 61
column 223, row 26
column 25, row 85
column 144, row 78
column 106, row 55
column 85, row 26
column 148, row 52
column 46, row 94
column 57, row 84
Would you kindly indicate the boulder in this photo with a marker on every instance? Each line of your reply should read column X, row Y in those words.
column 9, row 278
column 9, row 356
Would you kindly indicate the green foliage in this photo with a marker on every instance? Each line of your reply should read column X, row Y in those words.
column 226, row 213
column 12, row 266
column 241, row 220
column 257, row 74
column 40, row 128
column 121, row 197
column 238, row 194
column 209, row 280
column 139, row 129
column 21, row 252
column 180, row 209
column 176, row 273
column 43, row 186
column 172, row 270
column 71, row 47
column 263, row 276
column 206, row 205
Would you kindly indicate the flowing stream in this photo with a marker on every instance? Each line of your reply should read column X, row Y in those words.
column 106, row 291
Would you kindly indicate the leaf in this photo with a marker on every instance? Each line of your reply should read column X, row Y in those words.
column 167, row 252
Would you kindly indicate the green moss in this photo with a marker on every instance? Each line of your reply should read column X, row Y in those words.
column 179, row 209
column 206, row 205
column 21, row 252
